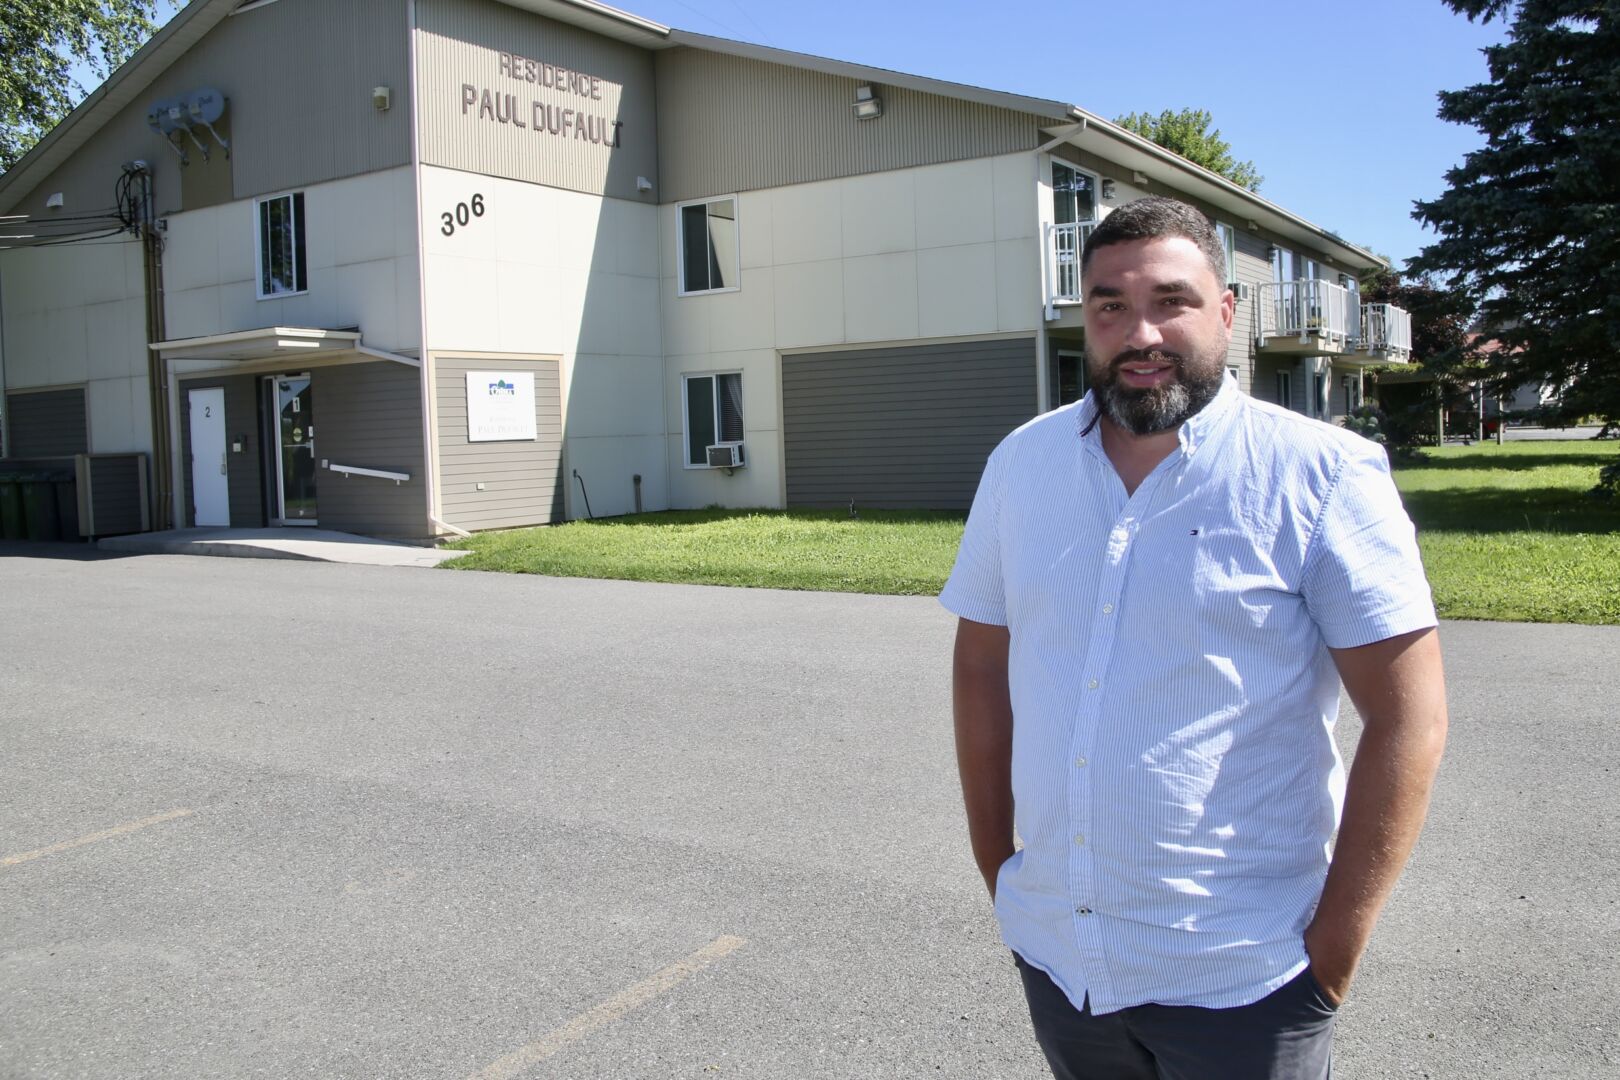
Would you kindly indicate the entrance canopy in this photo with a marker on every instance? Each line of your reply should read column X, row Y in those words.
column 293, row 343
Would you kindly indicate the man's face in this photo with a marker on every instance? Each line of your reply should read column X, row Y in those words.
column 1157, row 326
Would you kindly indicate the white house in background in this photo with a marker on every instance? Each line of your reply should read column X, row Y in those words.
column 411, row 267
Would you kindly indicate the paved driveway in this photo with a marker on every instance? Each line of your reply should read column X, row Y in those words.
column 291, row 819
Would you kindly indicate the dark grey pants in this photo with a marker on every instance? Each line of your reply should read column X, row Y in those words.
column 1287, row 1035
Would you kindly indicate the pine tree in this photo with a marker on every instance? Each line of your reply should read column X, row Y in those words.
column 1529, row 228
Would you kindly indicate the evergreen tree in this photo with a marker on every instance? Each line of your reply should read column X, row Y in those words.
column 1187, row 133
column 1529, row 228
column 40, row 42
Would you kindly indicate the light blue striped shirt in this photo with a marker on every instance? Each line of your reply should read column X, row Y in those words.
column 1174, row 770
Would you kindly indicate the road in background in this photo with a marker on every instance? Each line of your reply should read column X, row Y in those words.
column 442, row 820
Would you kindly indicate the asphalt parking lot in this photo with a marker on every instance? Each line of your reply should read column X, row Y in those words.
column 289, row 819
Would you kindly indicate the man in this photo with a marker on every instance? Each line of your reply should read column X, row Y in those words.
column 1160, row 589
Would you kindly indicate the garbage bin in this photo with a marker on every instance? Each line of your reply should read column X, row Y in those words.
column 12, row 524
column 66, row 484
column 39, row 506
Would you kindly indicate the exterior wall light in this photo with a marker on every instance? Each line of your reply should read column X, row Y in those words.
column 868, row 106
column 382, row 98
column 1107, row 190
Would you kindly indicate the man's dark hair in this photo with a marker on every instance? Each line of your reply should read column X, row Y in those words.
column 1153, row 217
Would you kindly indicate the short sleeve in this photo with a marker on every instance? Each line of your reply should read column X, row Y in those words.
column 974, row 590
column 1363, row 579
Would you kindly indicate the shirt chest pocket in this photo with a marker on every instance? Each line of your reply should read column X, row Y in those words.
column 1237, row 581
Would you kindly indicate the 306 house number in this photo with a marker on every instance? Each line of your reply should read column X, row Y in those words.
column 461, row 215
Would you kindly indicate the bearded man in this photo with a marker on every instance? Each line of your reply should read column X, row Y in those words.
column 1160, row 591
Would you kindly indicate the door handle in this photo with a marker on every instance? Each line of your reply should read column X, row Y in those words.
column 222, row 463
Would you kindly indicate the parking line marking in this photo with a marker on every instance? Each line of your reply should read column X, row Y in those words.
column 105, row 834
column 610, row 1010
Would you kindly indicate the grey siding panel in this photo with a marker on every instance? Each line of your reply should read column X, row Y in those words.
column 523, row 481
column 460, row 43
column 370, row 416
column 51, row 423
column 243, row 472
column 297, row 76
column 906, row 427
column 117, row 491
column 729, row 123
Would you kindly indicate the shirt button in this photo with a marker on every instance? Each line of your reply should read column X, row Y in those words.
column 1092, row 685
column 1108, row 609
column 1080, row 762
column 1082, row 911
column 1080, row 838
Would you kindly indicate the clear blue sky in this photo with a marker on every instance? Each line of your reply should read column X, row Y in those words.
column 1334, row 103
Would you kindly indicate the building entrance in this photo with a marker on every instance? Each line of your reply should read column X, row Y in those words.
column 290, row 401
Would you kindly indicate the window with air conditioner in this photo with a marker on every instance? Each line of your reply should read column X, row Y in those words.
column 714, row 417
column 283, row 267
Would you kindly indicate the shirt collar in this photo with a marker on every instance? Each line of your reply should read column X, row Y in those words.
column 1192, row 434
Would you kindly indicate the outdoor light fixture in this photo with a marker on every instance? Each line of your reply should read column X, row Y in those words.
column 1139, row 178
column 868, row 106
column 382, row 98
column 1107, row 190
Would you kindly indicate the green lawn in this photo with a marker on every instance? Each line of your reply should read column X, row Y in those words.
column 1507, row 533
column 882, row 551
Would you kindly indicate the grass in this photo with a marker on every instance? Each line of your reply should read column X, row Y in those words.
column 1507, row 533
column 882, row 551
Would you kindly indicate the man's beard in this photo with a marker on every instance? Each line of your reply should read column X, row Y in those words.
column 1159, row 408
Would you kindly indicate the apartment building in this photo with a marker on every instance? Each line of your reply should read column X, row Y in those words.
column 521, row 255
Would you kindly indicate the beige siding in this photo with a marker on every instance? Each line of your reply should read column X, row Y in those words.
column 461, row 45
column 730, row 123
column 297, row 76
column 370, row 416
column 523, row 481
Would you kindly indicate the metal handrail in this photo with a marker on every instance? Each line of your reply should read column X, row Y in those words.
column 1064, row 245
column 1386, row 328
column 1307, row 307
column 381, row 474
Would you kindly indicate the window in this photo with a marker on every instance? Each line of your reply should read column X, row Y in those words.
column 1074, row 195
column 282, row 267
column 1321, row 404
column 1237, row 374
column 1285, row 389
column 1071, row 378
column 1228, row 237
column 708, row 245
column 713, row 414
column 1284, row 265
column 1352, row 392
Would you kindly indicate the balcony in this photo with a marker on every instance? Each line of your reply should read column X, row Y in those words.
column 1064, row 243
column 1386, row 336
column 1307, row 317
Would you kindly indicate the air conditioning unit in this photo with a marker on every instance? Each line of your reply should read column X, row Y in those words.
column 1240, row 289
column 726, row 455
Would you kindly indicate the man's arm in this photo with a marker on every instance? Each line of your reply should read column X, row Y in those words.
column 984, row 724
column 1399, row 689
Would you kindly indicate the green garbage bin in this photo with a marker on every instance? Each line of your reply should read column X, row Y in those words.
column 12, row 524
column 66, row 484
column 39, row 506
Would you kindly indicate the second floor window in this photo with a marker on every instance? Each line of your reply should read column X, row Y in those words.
column 708, row 246
column 1074, row 195
column 1228, row 237
column 282, row 266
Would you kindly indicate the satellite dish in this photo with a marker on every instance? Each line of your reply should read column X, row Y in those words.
column 155, row 115
column 205, row 106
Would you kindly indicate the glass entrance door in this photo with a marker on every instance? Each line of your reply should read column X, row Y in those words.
column 295, row 450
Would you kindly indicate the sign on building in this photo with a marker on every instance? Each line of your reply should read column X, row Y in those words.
column 500, row 406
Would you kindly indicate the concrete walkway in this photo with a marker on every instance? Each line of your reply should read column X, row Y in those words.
column 313, row 545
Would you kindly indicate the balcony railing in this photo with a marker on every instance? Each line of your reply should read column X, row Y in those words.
column 1386, row 330
column 1309, row 310
column 1064, row 244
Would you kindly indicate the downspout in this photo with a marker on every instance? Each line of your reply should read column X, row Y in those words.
column 163, row 455
column 430, row 450
column 1043, row 379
